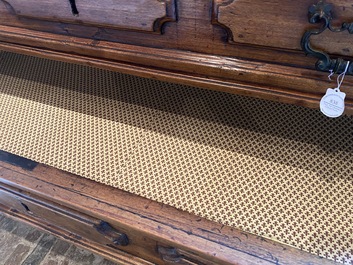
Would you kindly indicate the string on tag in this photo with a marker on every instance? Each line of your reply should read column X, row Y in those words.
column 341, row 76
column 331, row 74
column 332, row 103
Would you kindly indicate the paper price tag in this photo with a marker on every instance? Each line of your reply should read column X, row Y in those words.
column 332, row 103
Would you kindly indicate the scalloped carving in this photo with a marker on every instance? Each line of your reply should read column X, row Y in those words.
column 137, row 15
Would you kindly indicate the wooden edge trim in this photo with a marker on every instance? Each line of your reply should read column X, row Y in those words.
column 215, row 21
column 263, row 80
column 256, row 91
column 127, row 258
column 171, row 16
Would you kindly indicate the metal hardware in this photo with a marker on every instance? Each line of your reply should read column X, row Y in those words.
column 74, row 9
column 26, row 208
column 169, row 254
column 322, row 13
column 172, row 256
column 119, row 239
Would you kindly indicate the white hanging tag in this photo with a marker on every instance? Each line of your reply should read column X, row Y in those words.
column 332, row 104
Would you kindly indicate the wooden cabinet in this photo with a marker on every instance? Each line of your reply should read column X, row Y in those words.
column 247, row 47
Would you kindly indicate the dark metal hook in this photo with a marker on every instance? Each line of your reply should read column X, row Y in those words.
column 322, row 13
column 74, row 9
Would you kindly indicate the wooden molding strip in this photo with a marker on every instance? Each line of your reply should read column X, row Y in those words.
column 263, row 80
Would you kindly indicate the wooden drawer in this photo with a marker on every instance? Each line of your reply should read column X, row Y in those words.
column 319, row 29
column 282, row 24
column 141, row 15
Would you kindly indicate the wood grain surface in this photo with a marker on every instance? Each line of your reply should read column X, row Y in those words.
column 196, row 49
column 281, row 24
column 139, row 15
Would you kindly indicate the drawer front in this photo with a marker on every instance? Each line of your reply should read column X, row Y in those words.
column 140, row 15
column 281, row 24
column 85, row 228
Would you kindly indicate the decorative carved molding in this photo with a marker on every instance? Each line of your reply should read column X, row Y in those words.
column 215, row 16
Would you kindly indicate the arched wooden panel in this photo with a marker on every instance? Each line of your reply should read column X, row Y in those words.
column 281, row 24
column 140, row 15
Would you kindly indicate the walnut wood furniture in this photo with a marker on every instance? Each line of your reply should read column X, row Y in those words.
column 247, row 47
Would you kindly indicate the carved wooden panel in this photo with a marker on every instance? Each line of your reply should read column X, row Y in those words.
column 281, row 24
column 140, row 15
